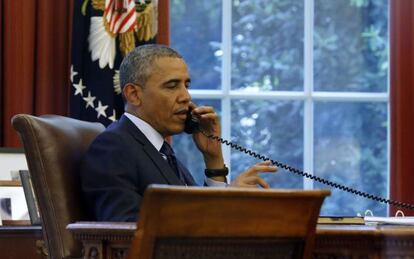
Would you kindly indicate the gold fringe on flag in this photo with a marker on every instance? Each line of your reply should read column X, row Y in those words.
column 145, row 21
column 106, row 25
column 126, row 42
column 98, row 4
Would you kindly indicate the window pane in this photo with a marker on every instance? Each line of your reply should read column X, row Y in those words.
column 271, row 128
column 350, row 54
column 351, row 45
column 187, row 152
column 351, row 149
column 267, row 45
column 195, row 31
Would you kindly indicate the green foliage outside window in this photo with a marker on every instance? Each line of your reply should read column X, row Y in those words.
column 350, row 54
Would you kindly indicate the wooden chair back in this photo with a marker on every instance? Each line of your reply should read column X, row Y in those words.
column 197, row 222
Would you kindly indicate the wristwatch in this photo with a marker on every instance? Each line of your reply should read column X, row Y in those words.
column 216, row 172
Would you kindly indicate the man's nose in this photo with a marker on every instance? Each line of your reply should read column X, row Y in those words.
column 184, row 95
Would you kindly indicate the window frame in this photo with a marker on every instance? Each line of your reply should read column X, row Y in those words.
column 308, row 95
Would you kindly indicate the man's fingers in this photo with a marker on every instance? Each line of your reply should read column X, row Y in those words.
column 209, row 116
column 267, row 162
column 262, row 182
column 257, row 180
column 250, row 177
column 203, row 109
column 261, row 169
column 206, row 113
column 244, row 185
column 253, row 182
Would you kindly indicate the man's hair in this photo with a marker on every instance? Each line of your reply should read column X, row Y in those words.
column 139, row 63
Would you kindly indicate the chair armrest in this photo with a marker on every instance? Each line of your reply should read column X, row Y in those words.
column 102, row 230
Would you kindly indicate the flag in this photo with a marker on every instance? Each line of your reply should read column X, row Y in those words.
column 105, row 31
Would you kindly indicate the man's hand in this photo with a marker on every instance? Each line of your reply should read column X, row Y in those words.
column 251, row 179
column 210, row 124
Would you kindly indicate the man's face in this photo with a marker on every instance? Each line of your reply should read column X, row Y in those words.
column 165, row 98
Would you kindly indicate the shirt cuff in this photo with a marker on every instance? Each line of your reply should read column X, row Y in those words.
column 213, row 183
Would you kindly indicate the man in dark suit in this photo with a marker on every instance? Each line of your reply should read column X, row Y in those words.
column 132, row 154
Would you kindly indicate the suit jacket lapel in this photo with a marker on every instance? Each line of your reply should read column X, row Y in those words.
column 164, row 169
column 189, row 180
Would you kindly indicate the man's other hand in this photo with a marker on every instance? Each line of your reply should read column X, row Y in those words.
column 251, row 179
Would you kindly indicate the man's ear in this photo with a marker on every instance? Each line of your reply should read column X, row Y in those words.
column 133, row 94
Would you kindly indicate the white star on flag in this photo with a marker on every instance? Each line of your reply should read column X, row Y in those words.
column 72, row 73
column 101, row 109
column 89, row 100
column 113, row 117
column 79, row 88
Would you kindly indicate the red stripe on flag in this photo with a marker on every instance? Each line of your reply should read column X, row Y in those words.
column 109, row 7
column 117, row 17
column 126, row 19
column 132, row 26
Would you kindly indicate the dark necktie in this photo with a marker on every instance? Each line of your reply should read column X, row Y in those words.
column 168, row 152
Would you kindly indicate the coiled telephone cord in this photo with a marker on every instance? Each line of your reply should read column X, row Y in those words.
column 294, row 170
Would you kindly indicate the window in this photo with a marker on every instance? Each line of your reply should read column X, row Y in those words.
column 304, row 82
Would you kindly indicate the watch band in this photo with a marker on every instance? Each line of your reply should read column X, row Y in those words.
column 216, row 172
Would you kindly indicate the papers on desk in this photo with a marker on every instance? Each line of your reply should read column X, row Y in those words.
column 389, row 220
column 367, row 220
column 341, row 220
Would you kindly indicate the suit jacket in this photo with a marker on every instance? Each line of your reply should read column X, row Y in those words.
column 118, row 167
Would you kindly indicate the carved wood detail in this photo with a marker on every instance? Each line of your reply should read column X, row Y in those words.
column 119, row 253
column 332, row 241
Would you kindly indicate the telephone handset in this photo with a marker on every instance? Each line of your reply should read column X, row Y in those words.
column 192, row 124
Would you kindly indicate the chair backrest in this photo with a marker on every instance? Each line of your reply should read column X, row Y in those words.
column 54, row 146
column 194, row 222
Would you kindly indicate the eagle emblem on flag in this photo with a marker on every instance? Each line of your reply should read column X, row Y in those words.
column 104, row 31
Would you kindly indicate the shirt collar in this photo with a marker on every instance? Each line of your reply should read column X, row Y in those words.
column 150, row 133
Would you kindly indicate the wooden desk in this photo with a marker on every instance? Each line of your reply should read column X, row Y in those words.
column 359, row 241
column 111, row 240
column 20, row 242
